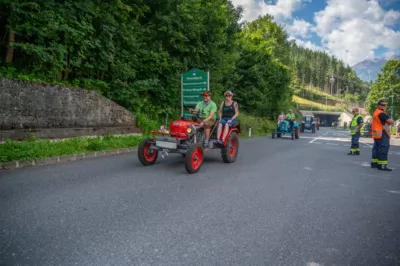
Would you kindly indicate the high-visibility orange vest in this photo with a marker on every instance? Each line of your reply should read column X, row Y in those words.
column 377, row 126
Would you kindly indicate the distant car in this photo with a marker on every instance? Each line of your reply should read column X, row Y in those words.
column 366, row 130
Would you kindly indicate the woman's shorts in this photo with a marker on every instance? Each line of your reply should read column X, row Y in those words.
column 224, row 120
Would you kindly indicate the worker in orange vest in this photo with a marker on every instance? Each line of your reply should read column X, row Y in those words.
column 381, row 136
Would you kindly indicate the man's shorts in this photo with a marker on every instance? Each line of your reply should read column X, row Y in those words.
column 398, row 130
column 208, row 124
column 224, row 120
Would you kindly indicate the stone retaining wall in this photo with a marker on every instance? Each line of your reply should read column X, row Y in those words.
column 58, row 112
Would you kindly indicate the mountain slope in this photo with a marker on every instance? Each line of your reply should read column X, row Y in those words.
column 369, row 69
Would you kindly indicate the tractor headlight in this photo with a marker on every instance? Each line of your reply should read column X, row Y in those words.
column 163, row 129
column 191, row 129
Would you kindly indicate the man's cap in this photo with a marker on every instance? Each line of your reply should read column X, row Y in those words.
column 355, row 109
column 228, row 92
column 381, row 101
column 206, row 93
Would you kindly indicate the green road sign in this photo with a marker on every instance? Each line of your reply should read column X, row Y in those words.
column 194, row 82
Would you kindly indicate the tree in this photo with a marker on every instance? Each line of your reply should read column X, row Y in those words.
column 386, row 85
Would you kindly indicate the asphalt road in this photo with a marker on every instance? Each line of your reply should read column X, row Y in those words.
column 283, row 202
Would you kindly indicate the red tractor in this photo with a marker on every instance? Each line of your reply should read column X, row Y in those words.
column 186, row 137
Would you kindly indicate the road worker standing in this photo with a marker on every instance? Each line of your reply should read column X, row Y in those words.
column 355, row 126
column 381, row 136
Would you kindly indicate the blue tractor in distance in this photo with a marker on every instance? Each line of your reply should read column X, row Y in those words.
column 308, row 123
column 285, row 128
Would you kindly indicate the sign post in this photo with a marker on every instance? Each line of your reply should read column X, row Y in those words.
column 194, row 82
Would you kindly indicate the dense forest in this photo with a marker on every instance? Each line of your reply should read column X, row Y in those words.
column 134, row 51
column 319, row 70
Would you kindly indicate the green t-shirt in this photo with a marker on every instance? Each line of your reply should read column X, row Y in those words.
column 290, row 116
column 205, row 109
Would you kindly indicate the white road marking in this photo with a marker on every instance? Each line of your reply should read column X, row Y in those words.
column 343, row 185
column 318, row 137
column 366, row 164
column 393, row 191
column 369, row 145
column 308, row 168
column 311, row 141
column 313, row 264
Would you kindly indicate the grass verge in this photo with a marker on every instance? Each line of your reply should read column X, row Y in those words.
column 259, row 126
column 38, row 149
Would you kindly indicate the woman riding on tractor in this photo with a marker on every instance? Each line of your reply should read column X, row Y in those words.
column 228, row 112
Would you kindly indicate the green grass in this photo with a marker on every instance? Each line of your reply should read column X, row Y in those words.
column 37, row 149
column 322, row 94
column 316, row 106
column 259, row 126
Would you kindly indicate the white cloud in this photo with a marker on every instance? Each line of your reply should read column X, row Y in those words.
column 352, row 30
column 306, row 44
column 281, row 11
column 300, row 27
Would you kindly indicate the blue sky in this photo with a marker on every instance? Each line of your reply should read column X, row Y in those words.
column 351, row 30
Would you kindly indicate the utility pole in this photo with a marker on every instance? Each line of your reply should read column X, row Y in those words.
column 332, row 80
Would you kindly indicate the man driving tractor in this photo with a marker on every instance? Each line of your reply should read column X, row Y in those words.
column 290, row 117
column 207, row 116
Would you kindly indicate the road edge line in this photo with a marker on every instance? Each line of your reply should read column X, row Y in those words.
column 63, row 158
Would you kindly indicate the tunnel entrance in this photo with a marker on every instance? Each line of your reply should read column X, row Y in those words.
column 326, row 118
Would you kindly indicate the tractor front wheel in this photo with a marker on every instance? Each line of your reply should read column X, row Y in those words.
column 273, row 133
column 230, row 151
column 194, row 158
column 145, row 154
column 297, row 133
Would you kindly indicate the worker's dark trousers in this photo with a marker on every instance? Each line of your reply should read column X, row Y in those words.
column 355, row 144
column 291, row 123
column 380, row 150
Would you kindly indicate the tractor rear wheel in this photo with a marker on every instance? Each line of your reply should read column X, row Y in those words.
column 230, row 151
column 273, row 133
column 194, row 158
column 145, row 154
